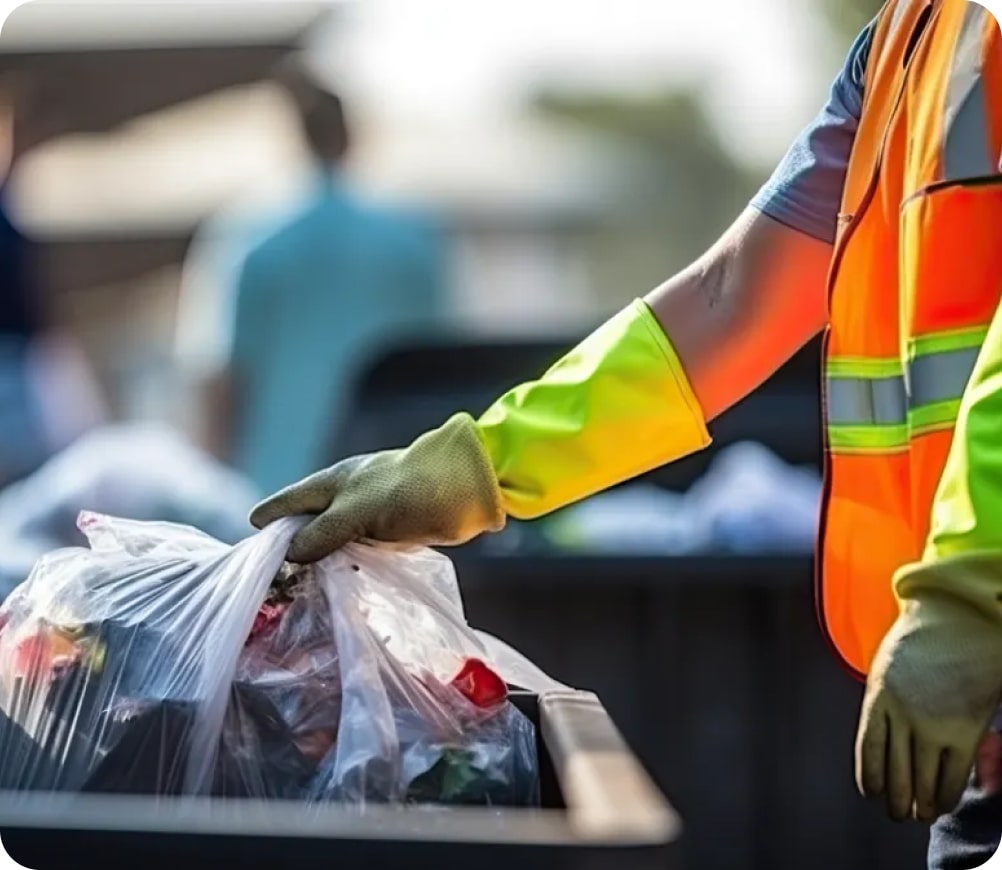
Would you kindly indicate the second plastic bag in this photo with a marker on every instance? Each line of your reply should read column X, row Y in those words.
column 161, row 661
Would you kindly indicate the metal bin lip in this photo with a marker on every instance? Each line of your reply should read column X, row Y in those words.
column 609, row 800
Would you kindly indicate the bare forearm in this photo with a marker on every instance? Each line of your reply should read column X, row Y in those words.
column 744, row 308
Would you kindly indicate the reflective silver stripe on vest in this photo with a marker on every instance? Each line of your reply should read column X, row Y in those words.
column 966, row 151
column 941, row 377
column 866, row 402
column 885, row 401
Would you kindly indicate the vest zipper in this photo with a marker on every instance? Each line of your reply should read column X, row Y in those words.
column 852, row 222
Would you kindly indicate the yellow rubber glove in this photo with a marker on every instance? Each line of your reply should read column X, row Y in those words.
column 616, row 406
column 933, row 687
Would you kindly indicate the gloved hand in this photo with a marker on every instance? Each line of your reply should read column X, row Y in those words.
column 933, row 687
column 441, row 490
column 614, row 407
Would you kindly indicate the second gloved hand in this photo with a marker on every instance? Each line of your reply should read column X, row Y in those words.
column 933, row 687
column 440, row 490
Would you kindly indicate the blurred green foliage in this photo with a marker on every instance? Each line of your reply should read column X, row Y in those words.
column 678, row 183
column 848, row 17
column 680, row 186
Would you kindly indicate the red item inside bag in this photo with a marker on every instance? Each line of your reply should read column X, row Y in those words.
column 480, row 684
column 268, row 617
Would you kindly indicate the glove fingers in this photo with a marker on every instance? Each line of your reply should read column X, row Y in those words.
column 328, row 532
column 309, row 496
column 900, row 787
column 871, row 751
column 928, row 763
column 953, row 779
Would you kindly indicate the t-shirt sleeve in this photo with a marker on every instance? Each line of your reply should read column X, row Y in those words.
column 805, row 191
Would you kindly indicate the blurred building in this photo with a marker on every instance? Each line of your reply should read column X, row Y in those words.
column 110, row 201
column 140, row 120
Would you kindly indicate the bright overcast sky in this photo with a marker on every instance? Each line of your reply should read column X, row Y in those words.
column 459, row 58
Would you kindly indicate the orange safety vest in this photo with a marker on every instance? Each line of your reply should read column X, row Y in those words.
column 915, row 281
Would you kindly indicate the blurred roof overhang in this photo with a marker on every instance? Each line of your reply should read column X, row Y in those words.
column 75, row 65
column 75, row 260
column 144, row 118
column 107, row 211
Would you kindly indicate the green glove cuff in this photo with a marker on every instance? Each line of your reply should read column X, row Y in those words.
column 618, row 405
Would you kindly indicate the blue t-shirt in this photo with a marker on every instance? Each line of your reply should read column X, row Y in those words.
column 306, row 298
column 805, row 191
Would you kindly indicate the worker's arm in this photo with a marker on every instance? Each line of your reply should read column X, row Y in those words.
column 224, row 327
column 635, row 394
column 741, row 310
column 937, row 679
column 638, row 392
column 629, row 398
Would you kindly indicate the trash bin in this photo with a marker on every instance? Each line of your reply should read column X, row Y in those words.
column 599, row 809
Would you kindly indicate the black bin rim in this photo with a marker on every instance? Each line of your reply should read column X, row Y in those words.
column 610, row 801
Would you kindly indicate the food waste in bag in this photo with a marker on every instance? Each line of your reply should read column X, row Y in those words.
column 161, row 661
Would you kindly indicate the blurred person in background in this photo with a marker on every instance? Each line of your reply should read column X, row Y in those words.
column 302, row 301
column 882, row 227
column 20, row 324
column 48, row 395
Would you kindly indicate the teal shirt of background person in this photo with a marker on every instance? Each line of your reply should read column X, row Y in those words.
column 313, row 301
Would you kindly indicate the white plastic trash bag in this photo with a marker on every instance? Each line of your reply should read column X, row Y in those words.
column 161, row 661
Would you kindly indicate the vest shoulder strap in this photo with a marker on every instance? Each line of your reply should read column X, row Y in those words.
column 897, row 29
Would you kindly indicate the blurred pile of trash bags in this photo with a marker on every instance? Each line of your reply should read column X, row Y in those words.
column 141, row 470
column 159, row 660
column 749, row 502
